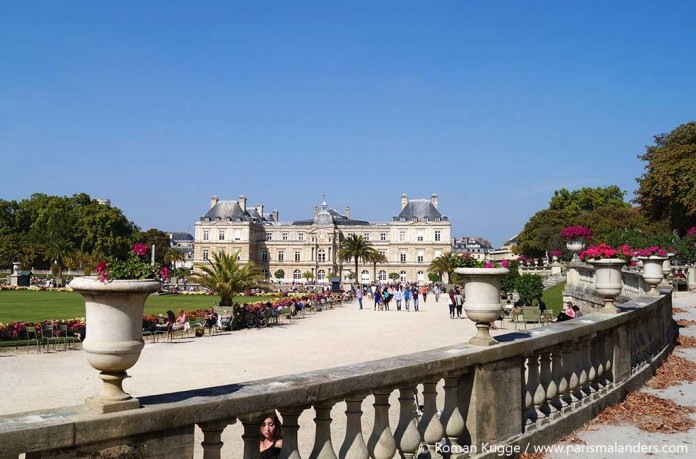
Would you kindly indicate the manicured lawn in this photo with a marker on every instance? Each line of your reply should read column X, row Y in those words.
column 553, row 297
column 33, row 306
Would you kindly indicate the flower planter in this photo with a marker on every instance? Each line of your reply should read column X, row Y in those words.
column 667, row 265
column 114, row 317
column 574, row 246
column 608, row 281
column 482, row 300
column 652, row 272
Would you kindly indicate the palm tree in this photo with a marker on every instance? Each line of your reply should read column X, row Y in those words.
column 174, row 255
column 376, row 257
column 354, row 247
column 226, row 277
column 58, row 250
column 444, row 264
column 309, row 275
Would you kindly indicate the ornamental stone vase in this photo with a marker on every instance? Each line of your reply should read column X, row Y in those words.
column 608, row 281
column 652, row 272
column 482, row 300
column 575, row 245
column 114, row 318
column 667, row 265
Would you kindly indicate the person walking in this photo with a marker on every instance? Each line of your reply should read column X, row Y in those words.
column 414, row 294
column 378, row 299
column 459, row 302
column 436, row 291
column 407, row 298
column 398, row 296
column 451, row 302
column 359, row 296
column 424, row 292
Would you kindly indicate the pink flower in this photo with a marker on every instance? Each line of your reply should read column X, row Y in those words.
column 504, row 263
column 573, row 232
column 140, row 249
column 164, row 273
column 102, row 272
column 488, row 265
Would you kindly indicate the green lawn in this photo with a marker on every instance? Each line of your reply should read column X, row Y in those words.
column 33, row 306
column 553, row 297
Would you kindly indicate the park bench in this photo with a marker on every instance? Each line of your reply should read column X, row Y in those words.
column 528, row 315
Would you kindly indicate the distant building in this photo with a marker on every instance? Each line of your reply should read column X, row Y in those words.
column 183, row 242
column 505, row 251
column 410, row 241
column 477, row 247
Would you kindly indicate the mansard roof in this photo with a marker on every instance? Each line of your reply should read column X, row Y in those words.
column 231, row 211
column 180, row 236
column 337, row 217
column 422, row 209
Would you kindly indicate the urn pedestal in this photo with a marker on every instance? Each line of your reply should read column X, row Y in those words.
column 575, row 245
column 653, row 272
column 608, row 281
column 114, row 318
column 482, row 300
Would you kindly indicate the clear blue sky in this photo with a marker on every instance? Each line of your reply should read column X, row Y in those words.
column 492, row 105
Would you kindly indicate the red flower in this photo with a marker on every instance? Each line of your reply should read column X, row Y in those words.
column 139, row 249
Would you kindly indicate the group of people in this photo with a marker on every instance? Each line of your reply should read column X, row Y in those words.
column 402, row 295
column 455, row 301
column 570, row 311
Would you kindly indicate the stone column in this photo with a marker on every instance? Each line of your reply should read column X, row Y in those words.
column 353, row 446
column 588, row 366
column 381, row 444
column 406, row 433
column 430, row 427
column 212, row 434
column 547, row 386
column 252, row 434
column 558, row 383
column 323, row 449
column 290, row 428
column 570, row 367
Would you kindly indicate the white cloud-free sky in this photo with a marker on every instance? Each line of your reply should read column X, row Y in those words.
column 158, row 105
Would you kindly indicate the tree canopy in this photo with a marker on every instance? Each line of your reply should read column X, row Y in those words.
column 667, row 189
column 587, row 199
column 226, row 277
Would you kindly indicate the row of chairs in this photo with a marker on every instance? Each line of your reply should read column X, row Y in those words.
column 46, row 336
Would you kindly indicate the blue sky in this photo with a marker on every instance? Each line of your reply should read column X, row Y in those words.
column 158, row 105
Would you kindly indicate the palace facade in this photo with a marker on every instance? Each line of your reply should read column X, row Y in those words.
column 410, row 241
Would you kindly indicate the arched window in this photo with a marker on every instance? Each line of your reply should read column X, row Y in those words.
column 321, row 275
column 296, row 274
column 382, row 275
column 402, row 275
column 321, row 255
column 421, row 276
column 265, row 273
column 365, row 276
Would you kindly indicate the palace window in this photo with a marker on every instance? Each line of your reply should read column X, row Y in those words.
column 419, row 235
column 321, row 275
column 382, row 236
column 321, row 255
column 205, row 254
column 365, row 276
column 296, row 274
column 421, row 256
column 206, row 235
column 300, row 236
column 402, row 276
column 382, row 275
column 281, row 255
column 269, row 236
column 237, row 235
column 265, row 273
column 297, row 255
column 438, row 235
column 221, row 235
column 285, row 236
column 366, row 236
column 264, row 255
column 402, row 256
column 402, row 235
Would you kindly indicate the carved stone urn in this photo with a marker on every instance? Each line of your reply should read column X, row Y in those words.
column 653, row 272
column 114, row 318
column 482, row 300
column 608, row 281
column 575, row 245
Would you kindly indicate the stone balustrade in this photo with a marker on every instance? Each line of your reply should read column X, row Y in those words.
column 533, row 388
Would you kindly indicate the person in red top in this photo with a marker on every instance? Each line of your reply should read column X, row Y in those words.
column 424, row 292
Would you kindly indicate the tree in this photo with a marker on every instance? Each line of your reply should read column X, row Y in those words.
column 308, row 275
column 159, row 239
column 226, row 277
column 279, row 274
column 173, row 256
column 59, row 250
column 444, row 264
column 608, row 219
column 586, row 199
column 507, row 283
column 394, row 276
column 354, row 247
column 529, row 287
column 667, row 190
column 534, row 239
column 375, row 257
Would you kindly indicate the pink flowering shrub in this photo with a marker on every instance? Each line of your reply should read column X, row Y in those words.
column 573, row 232
column 602, row 251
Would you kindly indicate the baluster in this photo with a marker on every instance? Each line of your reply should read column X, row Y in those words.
column 290, row 428
column 590, row 373
column 534, row 393
column 576, row 385
column 527, row 395
column 353, row 446
column 596, row 356
column 252, row 434
column 607, row 357
column 430, row 427
column 451, row 417
column 547, row 386
column 571, row 378
column 406, row 433
column 559, row 380
column 323, row 449
column 381, row 444
column 212, row 434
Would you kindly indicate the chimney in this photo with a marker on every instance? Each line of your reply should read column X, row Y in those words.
column 275, row 215
column 242, row 203
column 404, row 201
column 316, row 211
column 347, row 212
column 259, row 209
column 213, row 201
column 434, row 200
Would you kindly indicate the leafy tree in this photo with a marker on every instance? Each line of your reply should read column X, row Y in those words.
column 353, row 248
column 667, row 189
column 529, row 287
column 308, row 275
column 173, row 256
column 538, row 233
column 587, row 199
column 394, row 276
column 375, row 257
column 159, row 239
column 58, row 250
column 607, row 219
column 279, row 274
column 444, row 264
column 226, row 277
column 432, row 277
column 508, row 283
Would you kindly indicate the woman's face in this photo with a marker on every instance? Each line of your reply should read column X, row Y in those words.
column 268, row 428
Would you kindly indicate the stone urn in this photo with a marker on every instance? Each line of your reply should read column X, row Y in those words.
column 667, row 265
column 608, row 281
column 114, row 318
column 482, row 300
column 575, row 245
column 652, row 272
